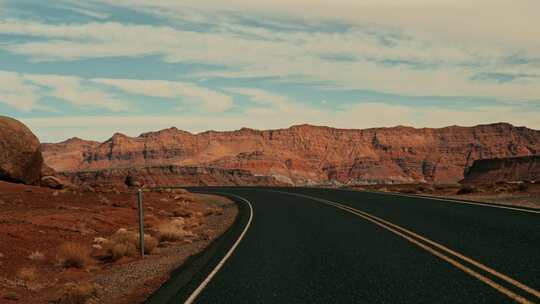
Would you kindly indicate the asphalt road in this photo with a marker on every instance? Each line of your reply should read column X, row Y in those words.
column 309, row 246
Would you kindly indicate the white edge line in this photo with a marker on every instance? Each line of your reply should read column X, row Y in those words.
column 446, row 200
column 210, row 276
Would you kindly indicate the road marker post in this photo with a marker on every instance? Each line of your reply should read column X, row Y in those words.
column 141, row 221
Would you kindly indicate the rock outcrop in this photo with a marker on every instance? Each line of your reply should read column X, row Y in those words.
column 20, row 154
column 161, row 176
column 513, row 169
column 307, row 154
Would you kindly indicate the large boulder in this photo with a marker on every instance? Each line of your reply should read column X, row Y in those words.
column 20, row 154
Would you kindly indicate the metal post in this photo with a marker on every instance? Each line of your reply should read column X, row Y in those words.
column 141, row 221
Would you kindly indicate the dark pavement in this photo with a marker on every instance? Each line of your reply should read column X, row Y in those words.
column 299, row 250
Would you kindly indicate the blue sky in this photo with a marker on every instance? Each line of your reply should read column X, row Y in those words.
column 89, row 69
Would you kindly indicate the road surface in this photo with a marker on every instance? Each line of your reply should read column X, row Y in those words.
column 334, row 246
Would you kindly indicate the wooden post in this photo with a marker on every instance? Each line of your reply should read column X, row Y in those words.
column 141, row 221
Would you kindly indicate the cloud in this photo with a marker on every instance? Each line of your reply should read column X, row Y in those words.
column 16, row 92
column 24, row 92
column 435, row 67
column 211, row 100
column 71, row 89
column 511, row 24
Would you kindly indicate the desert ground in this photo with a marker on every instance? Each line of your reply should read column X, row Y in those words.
column 74, row 246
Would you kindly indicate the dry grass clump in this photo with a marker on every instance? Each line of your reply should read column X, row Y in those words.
column 169, row 232
column 126, row 244
column 182, row 212
column 27, row 274
column 11, row 296
column 36, row 256
column 467, row 189
column 150, row 221
column 74, row 255
column 150, row 244
column 407, row 191
column 78, row 293
column 121, row 244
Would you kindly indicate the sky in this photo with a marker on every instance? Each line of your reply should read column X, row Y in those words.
column 92, row 68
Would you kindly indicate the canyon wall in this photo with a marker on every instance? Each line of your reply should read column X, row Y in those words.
column 307, row 154
column 162, row 176
column 513, row 169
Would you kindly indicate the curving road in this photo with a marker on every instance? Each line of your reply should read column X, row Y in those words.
column 332, row 246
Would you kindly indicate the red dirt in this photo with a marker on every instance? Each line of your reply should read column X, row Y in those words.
column 40, row 219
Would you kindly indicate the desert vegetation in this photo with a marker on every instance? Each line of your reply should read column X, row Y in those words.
column 73, row 254
column 75, row 245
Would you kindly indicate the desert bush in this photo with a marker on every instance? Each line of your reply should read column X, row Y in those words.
column 407, row 191
column 27, row 274
column 440, row 187
column 523, row 187
column 126, row 244
column 150, row 244
column 121, row 244
column 36, row 256
column 182, row 212
column 74, row 255
column 78, row 293
column 11, row 296
column 119, row 250
column 150, row 220
column 467, row 189
column 169, row 232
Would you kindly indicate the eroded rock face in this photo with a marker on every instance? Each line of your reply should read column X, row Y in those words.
column 513, row 169
column 308, row 154
column 20, row 155
column 161, row 176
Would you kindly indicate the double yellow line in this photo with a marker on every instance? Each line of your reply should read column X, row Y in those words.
column 439, row 251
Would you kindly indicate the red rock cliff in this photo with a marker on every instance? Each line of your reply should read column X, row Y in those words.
column 309, row 154
column 512, row 169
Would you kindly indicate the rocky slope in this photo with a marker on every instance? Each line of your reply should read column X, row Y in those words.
column 307, row 154
column 513, row 169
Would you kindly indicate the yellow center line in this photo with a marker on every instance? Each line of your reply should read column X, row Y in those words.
column 457, row 254
column 453, row 262
column 402, row 232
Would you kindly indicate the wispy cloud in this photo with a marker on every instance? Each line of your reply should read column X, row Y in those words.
column 285, row 54
column 16, row 92
column 211, row 100
column 24, row 92
column 71, row 89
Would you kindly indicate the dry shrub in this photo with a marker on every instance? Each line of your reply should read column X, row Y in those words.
column 74, row 255
column 467, row 189
column 27, row 274
column 182, row 212
column 78, row 293
column 150, row 221
column 523, row 187
column 123, row 243
column 150, row 244
column 11, row 296
column 169, row 232
column 407, row 191
column 120, row 250
column 126, row 244
column 36, row 256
